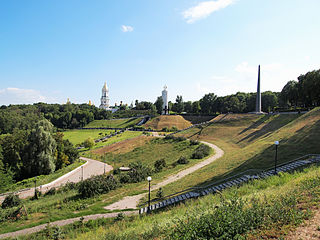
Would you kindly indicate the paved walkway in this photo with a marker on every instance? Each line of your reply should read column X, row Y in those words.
column 90, row 168
column 131, row 202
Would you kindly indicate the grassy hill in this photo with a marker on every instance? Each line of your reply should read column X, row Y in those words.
column 114, row 123
column 167, row 121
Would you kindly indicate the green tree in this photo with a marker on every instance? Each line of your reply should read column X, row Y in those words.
column 188, row 107
column 88, row 143
column 159, row 105
column 290, row 93
column 207, row 103
column 179, row 106
column 41, row 149
column 196, row 107
column 269, row 101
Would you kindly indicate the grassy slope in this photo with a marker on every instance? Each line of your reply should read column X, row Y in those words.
column 68, row 205
column 78, row 136
column 43, row 179
column 114, row 123
column 303, row 185
column 168, row 121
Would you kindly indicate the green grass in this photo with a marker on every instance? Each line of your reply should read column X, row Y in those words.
column 78, row 136
column 67, row 204
column 114, row 123
column 43, row 179
column 115, row 139
column 283, row 201
column 248, row 142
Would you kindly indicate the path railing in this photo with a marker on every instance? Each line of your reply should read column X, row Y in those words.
column 234, row 180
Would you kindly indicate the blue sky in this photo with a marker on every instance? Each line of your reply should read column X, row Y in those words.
column 54, row 50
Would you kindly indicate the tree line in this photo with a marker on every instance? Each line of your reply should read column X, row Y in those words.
column 33, row 152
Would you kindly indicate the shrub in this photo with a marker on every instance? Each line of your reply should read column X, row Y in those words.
column 165, row 129
column 160, row 193
column 119, row 217
column 169, row 137
column 183, row 160
column 11, row 201
column 201, row 152
column 51, row 191
column 88, row 143
column 174, row 129
column 194, row 142
column 138, row 172
column 159, row 165
column 97, row 185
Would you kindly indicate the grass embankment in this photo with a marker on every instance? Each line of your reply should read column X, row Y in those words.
column 248, row 143
column 115, row 139
column 67, row 204
column 167, row 121
column 198, row 119
column 43, row 179
column 78, row 136
column 261, row 209
column 114, row 123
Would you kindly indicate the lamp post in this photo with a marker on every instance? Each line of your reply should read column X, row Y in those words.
column 35, row 188
column 276, row 157
column 149, row 180
column 82, row 173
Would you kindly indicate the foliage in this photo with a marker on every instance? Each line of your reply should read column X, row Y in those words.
column 200, row 152
column 97, row 185
column 89, row 142
column 160, row 193
column 159, row 165
column 234, row 217
column 182, row 160
column 51, row 191
column 305, row 92
column 159, row 105
column 10, row 201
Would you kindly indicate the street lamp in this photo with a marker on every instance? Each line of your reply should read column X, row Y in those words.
column 82, row 173
column 35, row 188
column 149, row 180
column 276, row 157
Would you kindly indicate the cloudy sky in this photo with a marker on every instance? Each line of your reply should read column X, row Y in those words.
column 54, row 50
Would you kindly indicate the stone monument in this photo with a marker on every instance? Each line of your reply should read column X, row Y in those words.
column 165, row 108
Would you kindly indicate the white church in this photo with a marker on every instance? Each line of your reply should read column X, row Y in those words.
column 105, row 101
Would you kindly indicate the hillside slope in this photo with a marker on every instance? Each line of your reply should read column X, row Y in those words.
column 167, row 121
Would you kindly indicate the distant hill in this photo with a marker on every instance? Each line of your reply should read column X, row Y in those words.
column 167, row 121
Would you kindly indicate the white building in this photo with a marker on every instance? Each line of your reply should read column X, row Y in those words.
column 165, row 109
column 105, row 98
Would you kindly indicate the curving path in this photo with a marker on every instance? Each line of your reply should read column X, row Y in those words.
column 131, row 202
column 90, row 168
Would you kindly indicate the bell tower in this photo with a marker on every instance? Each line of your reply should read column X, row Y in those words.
column 105, row 97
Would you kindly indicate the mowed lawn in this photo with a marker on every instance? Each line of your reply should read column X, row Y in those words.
column 114, row 123
column 78, row 136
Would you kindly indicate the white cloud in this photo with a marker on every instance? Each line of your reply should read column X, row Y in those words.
column 126, row 28
column 20, row 96
column 204, row 9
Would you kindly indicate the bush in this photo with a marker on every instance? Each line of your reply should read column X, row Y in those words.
column 169, row 137
column 194, row 142
column 51, row 191
column 174, row 129
column 160, row 193
column 159, row 165
column 11, row 201
column 165, row 129
column 88, row 143
column 97, row 185
column 201, row 152
column 183, row 160
column 138, row 172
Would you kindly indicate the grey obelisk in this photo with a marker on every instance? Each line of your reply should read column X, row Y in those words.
column 258, row 100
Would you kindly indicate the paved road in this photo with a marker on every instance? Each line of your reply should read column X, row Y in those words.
column 90, row 168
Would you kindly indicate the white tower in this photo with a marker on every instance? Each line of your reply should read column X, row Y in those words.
column 165, row 109
column 105, row 97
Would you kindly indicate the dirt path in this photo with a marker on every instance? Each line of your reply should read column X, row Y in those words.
column 90, row 168
column 309, row 230
column 131, row 202
column 64, row 222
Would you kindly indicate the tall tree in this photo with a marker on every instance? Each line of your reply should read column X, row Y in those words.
column 41, row 149
column 159, row 105
column 179, row 106
column 207, row 103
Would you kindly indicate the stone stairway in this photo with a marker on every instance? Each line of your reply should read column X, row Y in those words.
column 227, row 184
